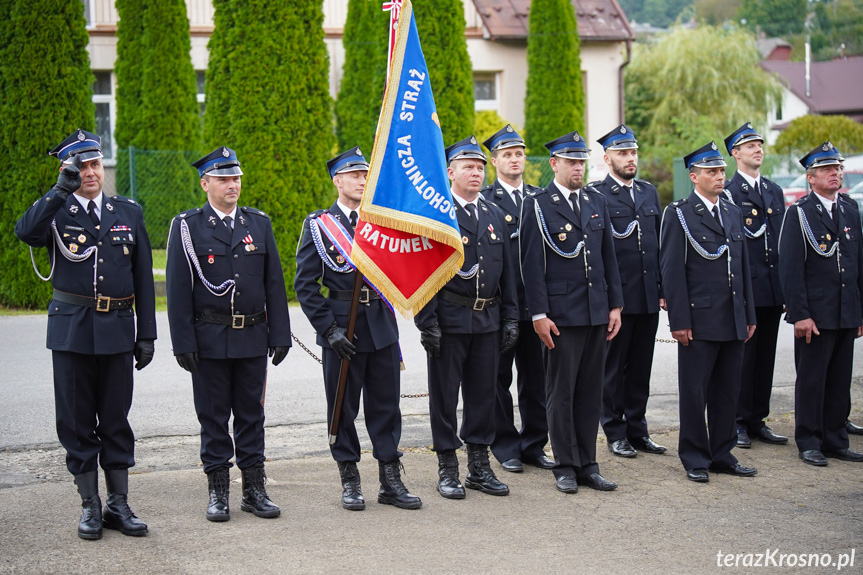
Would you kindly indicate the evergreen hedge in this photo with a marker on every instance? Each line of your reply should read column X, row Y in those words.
column 441, row 29
column 358, row 106
column 157, row 112
column 45, row 94
column 554, row 104
column 269, row 81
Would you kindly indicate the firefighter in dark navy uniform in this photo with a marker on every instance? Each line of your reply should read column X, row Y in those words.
column 821, row 269
column 374, row 354
column 763, row 205
column 633, row 205
column 102, row 267
column 711, row 311
column 574, row 296
column 466, row 327
column 227, row 310
column 512, row 447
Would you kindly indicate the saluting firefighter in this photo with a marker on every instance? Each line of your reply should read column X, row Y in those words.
column 763, row 205
column 711, row 312
column 512, row 447
column 374, row 356
column 574, row 296
column 465, row 328
column 633, row 205
column 821, row 269
column 101, row 267
column 227, row 310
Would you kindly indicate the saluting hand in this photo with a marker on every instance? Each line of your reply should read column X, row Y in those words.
column 69, row 179
column 544, row 328
column 806, row 328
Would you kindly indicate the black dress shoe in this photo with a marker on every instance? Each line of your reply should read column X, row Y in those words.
column 766, row 435
column 566, row 484
column 813, row 457
column 543, row 462
column 736, row 469
column 844, row 454
column 118, row 515
column 512, row 465
column 853, row 429
column 621, row 448
column 646, row 445
column 743, row 440
column 597, row 481
column 699, row 475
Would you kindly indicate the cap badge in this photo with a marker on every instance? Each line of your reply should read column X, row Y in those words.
column 577, row 138
column 713, row 145
column 824, row 147
column 359, row 153
column 472, row 140
column 81, row 136
column 622, row 130
column 749, row 125
column 509, row 128
column 225, row 152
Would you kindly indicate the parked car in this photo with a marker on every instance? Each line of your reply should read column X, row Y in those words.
column 800, row 187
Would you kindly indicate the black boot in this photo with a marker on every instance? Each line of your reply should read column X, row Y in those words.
column 393, row 491
column 255, row 498
column 90, row 524
column 448, row 484
column 219, row 483
column 117, row 514
column 479, row 473
column 352, row 492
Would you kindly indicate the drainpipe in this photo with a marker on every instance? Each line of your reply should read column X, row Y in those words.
column 620, row 95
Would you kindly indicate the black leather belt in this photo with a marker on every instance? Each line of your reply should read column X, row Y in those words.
column 476, row 304
column 235, row 321
column 366, row 295
column 100, row 303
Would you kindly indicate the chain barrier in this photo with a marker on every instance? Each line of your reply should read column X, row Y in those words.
column 305, row 349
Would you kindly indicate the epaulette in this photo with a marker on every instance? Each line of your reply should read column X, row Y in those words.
column 594, row 184
column 801, row 200
column 488, row 188
column 124, row 199
column 679, row 202
column 255, row 211
column 590, row 188
column 188, row 213
column 316, row 214
column 844, row 196
column 530, row 188
column 536, row 192
column 640, row 181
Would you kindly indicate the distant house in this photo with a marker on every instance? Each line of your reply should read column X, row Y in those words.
column 774, row 48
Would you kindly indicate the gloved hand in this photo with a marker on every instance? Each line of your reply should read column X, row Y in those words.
column 279, row 353
column 144, row 351
column 69, row 180
column 430, row 338
column 509, row 329
column 339, row 342
column 188, row 361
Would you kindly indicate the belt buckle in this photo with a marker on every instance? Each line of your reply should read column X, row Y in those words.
column 479, row 304
column 103, row 303
column 365, row 296
column 238, row 321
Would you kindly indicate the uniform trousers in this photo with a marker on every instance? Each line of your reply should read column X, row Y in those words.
column 222, row 387
column 573, row 374
column 92, row 398
column 821, row 394
column 471, row 360
column 708, row 375
column 628, row 361
column 509, row 442
column 376, row 375
column 759, row 359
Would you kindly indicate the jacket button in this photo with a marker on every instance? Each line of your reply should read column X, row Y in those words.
column 481, row 285
column 237, row 294
column 236, row 276
column 480, row 258
column 236, row 256
column 589, row 284
column 101, row 278
column 99, row 244
column 101, row 261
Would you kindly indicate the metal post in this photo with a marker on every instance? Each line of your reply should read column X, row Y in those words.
column 132, row 175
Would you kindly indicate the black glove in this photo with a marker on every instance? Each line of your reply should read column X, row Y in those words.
column 509, row 334
column 430, row 338
column 144, row 350
column 279, row 353
column 69, row 181
column 339, row 342
column 188, row 361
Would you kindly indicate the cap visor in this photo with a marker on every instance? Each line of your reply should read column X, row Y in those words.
column 361, row 167
column 719, row 163
column 87, row 156
column 469, row 156
column 572, row 155
column 224, row 172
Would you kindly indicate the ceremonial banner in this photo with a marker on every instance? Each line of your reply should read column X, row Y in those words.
column 407, row 242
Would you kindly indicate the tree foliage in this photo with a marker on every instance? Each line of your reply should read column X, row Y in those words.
column 45, row 94
column 364, row 74
column 660, row 13
column 441, row 28
column 680, row 94
column 774, row 17
column 806, row 132
column 554, row 103
column 269, row 85
column 716, row 12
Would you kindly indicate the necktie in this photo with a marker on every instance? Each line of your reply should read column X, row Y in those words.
column 471, row 210
column 629, row 197
column 716, row 216
column 91, row 211
column 229, row 221
column 353, row 218
column 573, row 201
column 834, row 212
column 517, row 195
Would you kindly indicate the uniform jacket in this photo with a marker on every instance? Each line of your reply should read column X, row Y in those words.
column 223, row 255
column 697, row 289
column 639, row 267
column 814, row 286
column 760, row 207
column 376, row 326
column 124, row 267
column 496, row 194
column 487, row 245
column 577, row 291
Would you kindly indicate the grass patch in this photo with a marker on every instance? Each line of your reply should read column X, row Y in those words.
column 20, row 311
column 160, row 259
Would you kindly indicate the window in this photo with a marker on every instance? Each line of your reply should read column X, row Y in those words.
column 200, row 76
column 779, row 109
column 103, row 98
column 485, row 91
column 88, row 12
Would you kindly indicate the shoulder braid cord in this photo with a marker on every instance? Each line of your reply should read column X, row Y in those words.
column 810, row 238
column 227, row 286
column 633, row 225
column 322, row 252
column 66, row 254
column 723, row 249
column 546, row 238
